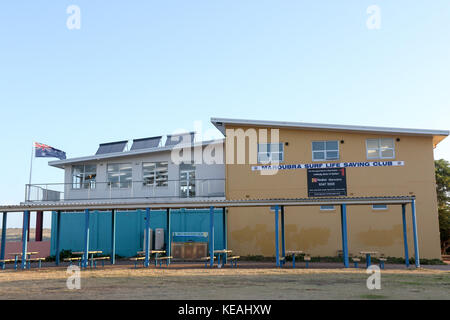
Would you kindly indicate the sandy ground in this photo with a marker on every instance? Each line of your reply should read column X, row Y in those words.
column 247, row 282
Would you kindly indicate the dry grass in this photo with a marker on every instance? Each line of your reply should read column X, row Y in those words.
column 124, row 282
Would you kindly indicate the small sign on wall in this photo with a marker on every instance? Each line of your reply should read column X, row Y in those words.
column 327, row 182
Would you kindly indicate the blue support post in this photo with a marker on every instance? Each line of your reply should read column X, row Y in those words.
column 368, row 260
column 147, row 238
column 405, row 236
column 344, row 233
column 211, row 236
column 4, row 227
column 26, row 218
column 86, row 239
column 416, row 241
column 58, row 237
column 169, row 235
column 277, row 250
column 113, row 236
column 225, row 239
column 283, row 242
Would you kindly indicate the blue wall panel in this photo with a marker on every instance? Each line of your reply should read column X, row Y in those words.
column 130, row 229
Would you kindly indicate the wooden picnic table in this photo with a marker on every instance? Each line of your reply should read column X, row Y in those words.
column 17, row 254
column 368, row 256
column 152, row 252
column 20, row 253
column 293, row 253
column 155, row 252
column 221, row 253
column 92, row 253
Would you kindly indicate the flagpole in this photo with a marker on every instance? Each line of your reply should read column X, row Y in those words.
column 31, row 171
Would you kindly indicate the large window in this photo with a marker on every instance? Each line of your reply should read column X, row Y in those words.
column 155, row 174
column 187, row 180
column 120, row 175
column 382, row 148
column 325, row 150
column 272, row 152
column 83, row 176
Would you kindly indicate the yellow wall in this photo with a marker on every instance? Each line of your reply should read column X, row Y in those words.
column 251, row 230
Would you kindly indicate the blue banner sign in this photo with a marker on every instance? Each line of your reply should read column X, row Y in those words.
column 329, row 165
column 190, row 234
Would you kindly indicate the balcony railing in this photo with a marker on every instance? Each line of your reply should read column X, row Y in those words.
column 125, row 190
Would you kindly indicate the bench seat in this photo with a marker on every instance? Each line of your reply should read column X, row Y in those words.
column 161, row 259
column 137, row 259
column 39, row 260
column 207, row 258
column 102, row 259
column 233, row 260
column 5, row 261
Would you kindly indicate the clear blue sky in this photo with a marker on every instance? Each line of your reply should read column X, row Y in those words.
column 142, row 68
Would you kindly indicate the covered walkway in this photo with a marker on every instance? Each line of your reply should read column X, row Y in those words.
column 277, row 205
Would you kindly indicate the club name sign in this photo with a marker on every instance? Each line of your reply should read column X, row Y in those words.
column 330, row 182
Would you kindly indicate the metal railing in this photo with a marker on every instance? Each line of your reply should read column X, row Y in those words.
column 93, row 190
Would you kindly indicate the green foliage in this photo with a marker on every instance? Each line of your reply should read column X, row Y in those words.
column 62, row 255
column 443, row 190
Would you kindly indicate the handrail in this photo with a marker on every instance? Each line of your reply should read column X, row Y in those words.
column 135, row 189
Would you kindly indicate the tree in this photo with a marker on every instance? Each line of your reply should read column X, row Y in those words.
column 443, row 191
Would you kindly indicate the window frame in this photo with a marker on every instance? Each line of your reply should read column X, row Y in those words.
column 385, row 208
column 379, row 149
column 270, row 153
column 325, row 150
column 155, row 174
column 92, row 183
column 322, row 208
column 111, row 184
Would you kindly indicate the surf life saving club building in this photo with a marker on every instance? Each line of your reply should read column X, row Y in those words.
column 335, row 187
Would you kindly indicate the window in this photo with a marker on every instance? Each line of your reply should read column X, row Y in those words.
column 187, row 180
column 273, row 152
column 325, row 150
column 379, row 207
column 83, row 176
column 380, row 148
column 120, row 175
column 326, row 208
column 155, row 174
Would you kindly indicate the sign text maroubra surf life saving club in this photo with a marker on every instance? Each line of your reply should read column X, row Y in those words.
column 329, row 165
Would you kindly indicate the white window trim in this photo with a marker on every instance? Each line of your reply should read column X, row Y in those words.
column 379, row 149
column 109, row 183
column 380, row 209
column 154, row 185
column 270, row 154
column 325, row 151
column 84, row 175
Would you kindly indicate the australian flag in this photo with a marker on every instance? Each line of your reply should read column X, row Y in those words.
column 44, row 151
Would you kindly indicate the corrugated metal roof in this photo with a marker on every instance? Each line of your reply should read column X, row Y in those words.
column 183, row 203
column 220, row 122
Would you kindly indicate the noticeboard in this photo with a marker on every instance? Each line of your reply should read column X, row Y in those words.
column 330, row 182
